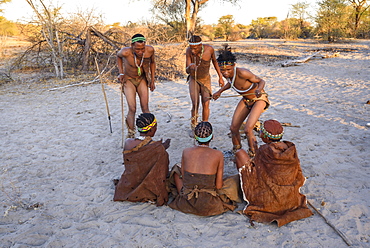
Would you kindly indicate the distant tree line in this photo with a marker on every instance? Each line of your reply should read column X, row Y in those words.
column 61, row 43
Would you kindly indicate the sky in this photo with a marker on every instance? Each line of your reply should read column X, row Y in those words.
column 125, row 11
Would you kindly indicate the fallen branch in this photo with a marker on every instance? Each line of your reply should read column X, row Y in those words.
column 288, row 124
column 331, row 225
column 70, row 85
column 299, row 61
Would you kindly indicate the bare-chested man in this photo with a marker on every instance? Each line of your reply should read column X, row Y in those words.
column 136, row 67
column 198, row 60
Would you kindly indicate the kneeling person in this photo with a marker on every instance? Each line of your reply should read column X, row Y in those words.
column 146, row 166
column 272, row 180
column 199, row 177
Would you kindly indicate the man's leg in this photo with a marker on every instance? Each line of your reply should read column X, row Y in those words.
column 206, row 99
column 143, row 92
column 240, row 113
column 194, row 89
column 253, row 117
column 130, row 93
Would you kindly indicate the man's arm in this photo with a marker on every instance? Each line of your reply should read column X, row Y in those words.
column 189, row 65
column 153, row 67
column 121, row 70
column 254, row 79
column 217, row 94
column 217, row 68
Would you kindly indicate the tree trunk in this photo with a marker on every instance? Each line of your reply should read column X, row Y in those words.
column 85, row 54
column 187, row 18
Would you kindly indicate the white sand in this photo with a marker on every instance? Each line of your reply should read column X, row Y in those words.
column 57, row 151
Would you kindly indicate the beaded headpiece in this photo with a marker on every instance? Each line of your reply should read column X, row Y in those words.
column 225, row 63
column 203, row 140
column 195, row 43
column 133, row 40
column 270, row 135
column 147, row 128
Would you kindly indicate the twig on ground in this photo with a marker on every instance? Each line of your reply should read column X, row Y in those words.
column 331, row 225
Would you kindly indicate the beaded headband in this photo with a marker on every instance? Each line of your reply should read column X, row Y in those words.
column 225, row 63
column 203, row 140
column 269, row 135
column 147, row 128
column 133, row 40
column 195, row 43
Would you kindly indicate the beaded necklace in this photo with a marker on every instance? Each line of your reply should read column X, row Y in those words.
column 200, row 57
column 139, row 66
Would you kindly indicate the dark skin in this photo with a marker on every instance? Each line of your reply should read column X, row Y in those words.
column 194, row 54
column 242, row 157
column 126, row 65
column 243, row 80
column 131, row 143
column 201, row 160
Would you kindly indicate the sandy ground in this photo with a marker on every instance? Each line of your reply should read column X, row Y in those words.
column 58, row 158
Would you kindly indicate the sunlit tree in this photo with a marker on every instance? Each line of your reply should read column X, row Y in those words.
column 360, row 8
column 226, row 23
column 332, row 19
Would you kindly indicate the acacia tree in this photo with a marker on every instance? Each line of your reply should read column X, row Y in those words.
column 192, row 7
column 359, row 9
column 226, row 23
column 172, row 14
column 299, row 11
column 332, row 19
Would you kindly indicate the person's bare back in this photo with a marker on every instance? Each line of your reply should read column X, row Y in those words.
column 202, row 160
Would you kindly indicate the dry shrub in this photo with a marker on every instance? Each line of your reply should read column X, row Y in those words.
column 170, row 60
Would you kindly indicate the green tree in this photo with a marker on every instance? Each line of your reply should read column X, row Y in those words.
column 7, row 27
column 299, row 11
column 332, row 19
column 171, row 13
column 226, row 23
column 359, row 10
column 265, row 27
column 192, row 8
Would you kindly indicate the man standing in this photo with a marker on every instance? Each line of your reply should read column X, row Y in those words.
column 198, row 60
column 136, row 65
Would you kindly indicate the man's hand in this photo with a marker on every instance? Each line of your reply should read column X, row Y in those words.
column 166, row 144
column 258, row 93
column 191, row 66
column 152, row 86
column 120, row 77
column 221, row 82
column 216, row 95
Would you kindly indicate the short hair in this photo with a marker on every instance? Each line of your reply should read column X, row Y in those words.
column 225, row 55
column 195, row 39
column 138, row 40
column 144, row 120
column 203, row 130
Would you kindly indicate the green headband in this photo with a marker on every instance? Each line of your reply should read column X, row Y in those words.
column 138, row 39
column 203, row 140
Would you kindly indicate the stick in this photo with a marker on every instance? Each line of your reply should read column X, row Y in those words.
column 123, row 115
column 105, row 96
column 247, row 94
column 331, row 225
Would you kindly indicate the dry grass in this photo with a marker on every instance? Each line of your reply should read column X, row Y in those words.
column 170, row 58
